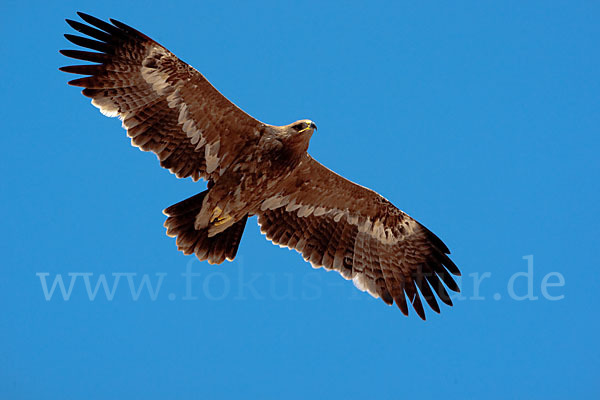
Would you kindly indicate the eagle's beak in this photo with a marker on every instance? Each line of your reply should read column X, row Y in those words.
column 313, row 126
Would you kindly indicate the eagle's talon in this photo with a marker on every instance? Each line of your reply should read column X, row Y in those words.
column 216, row 218
column 216, row 214
column 221, row 221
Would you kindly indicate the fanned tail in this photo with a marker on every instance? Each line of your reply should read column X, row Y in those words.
column 215, row 249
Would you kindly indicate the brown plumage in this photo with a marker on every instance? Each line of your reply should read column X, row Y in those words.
column 253, row 168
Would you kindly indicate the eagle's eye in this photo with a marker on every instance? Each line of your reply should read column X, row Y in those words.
column 298, row 127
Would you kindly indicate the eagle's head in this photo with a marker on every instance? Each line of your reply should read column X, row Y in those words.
column 303, row 126
column 297, row 135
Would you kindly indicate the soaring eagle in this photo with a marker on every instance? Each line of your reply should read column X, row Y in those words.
column 253, row 168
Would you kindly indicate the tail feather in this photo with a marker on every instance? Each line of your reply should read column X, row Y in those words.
column 215, row 249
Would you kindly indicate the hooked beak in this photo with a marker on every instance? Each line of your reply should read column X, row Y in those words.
column 310, row 126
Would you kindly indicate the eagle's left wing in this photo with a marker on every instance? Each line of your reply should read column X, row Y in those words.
column 339, row 225
column 166, row 106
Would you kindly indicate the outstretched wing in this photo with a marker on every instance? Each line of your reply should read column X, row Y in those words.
column 339, row 225
column 166, row 106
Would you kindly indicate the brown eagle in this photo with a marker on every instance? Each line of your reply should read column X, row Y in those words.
column 253, row 168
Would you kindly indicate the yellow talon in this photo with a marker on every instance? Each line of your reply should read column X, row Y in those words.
column 216, row 218
column 221, row 221
column 215, row 214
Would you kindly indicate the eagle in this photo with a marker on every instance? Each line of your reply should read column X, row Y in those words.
column 253, row 168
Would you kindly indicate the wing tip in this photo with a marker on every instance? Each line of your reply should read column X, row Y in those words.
column 90, row 19
column 79, row 82
column 71, row 22
column 83, row 15
column 72, row 69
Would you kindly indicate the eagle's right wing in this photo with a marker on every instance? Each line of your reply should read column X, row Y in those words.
column 166, row 106
column 337, row 224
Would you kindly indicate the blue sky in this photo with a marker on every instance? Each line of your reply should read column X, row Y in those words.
column 480, row 119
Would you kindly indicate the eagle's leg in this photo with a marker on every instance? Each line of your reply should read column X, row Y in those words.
column 216, row 219
column 224, row 205
column 218, row 213
column 213, row 216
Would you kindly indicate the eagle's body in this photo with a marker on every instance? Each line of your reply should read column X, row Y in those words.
column 265, row 166
column 253, row 168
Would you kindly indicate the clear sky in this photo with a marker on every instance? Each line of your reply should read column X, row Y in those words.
column 478, row 118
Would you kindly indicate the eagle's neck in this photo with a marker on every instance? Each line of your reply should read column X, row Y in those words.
column 297, row 143
column 292, row 152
